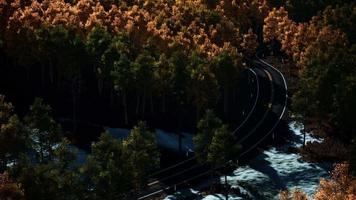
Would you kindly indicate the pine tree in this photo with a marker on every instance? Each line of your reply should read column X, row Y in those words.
column 223, row 151
column 141, row 153
column 106, row 172
column 13, row 137
column 206, row 129
column 43, row 130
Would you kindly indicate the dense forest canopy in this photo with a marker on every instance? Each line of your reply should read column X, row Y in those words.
column 160, row 53
column 324, row 50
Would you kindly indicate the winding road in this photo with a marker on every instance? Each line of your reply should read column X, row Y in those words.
column 269, row 106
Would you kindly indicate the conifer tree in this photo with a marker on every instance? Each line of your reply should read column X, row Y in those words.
column 141, row 153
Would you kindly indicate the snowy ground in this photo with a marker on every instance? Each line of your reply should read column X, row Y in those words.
column 262, row 178
column 271, row 171
column 164, row 139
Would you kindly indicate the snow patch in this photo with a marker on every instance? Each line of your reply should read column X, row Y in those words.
column 276, row 169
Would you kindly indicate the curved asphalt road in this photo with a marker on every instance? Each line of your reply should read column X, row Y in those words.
column 267, row 111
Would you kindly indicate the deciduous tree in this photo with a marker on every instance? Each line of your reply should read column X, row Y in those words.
column 10, row 190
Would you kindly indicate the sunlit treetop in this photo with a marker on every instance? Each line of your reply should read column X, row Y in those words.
column 205, row 25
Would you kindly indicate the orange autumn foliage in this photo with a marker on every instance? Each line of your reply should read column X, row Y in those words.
column 193, row 24
column 299, row 40
column 341, row 186
column 9, row 190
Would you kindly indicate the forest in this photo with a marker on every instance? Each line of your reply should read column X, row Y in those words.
column 68, row 68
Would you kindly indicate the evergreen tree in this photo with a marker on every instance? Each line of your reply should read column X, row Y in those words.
column 56, row 179
column 43, row 130
column 223, row 150
column 203, row 87
column 122, row 73
column 97, row 43
column 143, row 73
column 206, row 129
column 164, row 79
column 226, row 73
column 141, row 153
column 106, row 171
column 13, row 137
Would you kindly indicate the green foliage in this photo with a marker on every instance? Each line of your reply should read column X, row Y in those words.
column 40, row 118
column 56, row 179
column 327, row 88
column 179, row 61
column 47, row 169
column 143, row 70
column 106, row 170
column 223, row 147
column 203, row 89
column 43, row 130
column 164, row 75
column 304, row 10
column 97, row 43
column 141, row 153
column 225, row 70
column 215, row 144
column 223, row 151
column 122, row 73
column 210, row 17
column 6, row 110
column 206, row 129
column 13, row 139
column 12, row 135
column 211, row 3
column 114, row 167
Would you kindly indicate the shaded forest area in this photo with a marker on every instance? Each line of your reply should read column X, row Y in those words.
column 114, row 63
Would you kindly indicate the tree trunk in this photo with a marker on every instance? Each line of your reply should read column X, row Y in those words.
column 303, row 131
column 137, row 104
column 125, row 107
column 3, row 164
column 211, row 178
column 303, row 138
column 42, row 75
column 144, row 102
column 41, row 152
column 100, row 86
column 197, row 114
column 179, row 142
column 58, row 81
column 51, row 71
column 74, row 113
column 164, row 103
column 226, row 189
column 226, row 100
column 27, row 71
column 151, row 103
column 234, row 97
column 111, row 97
